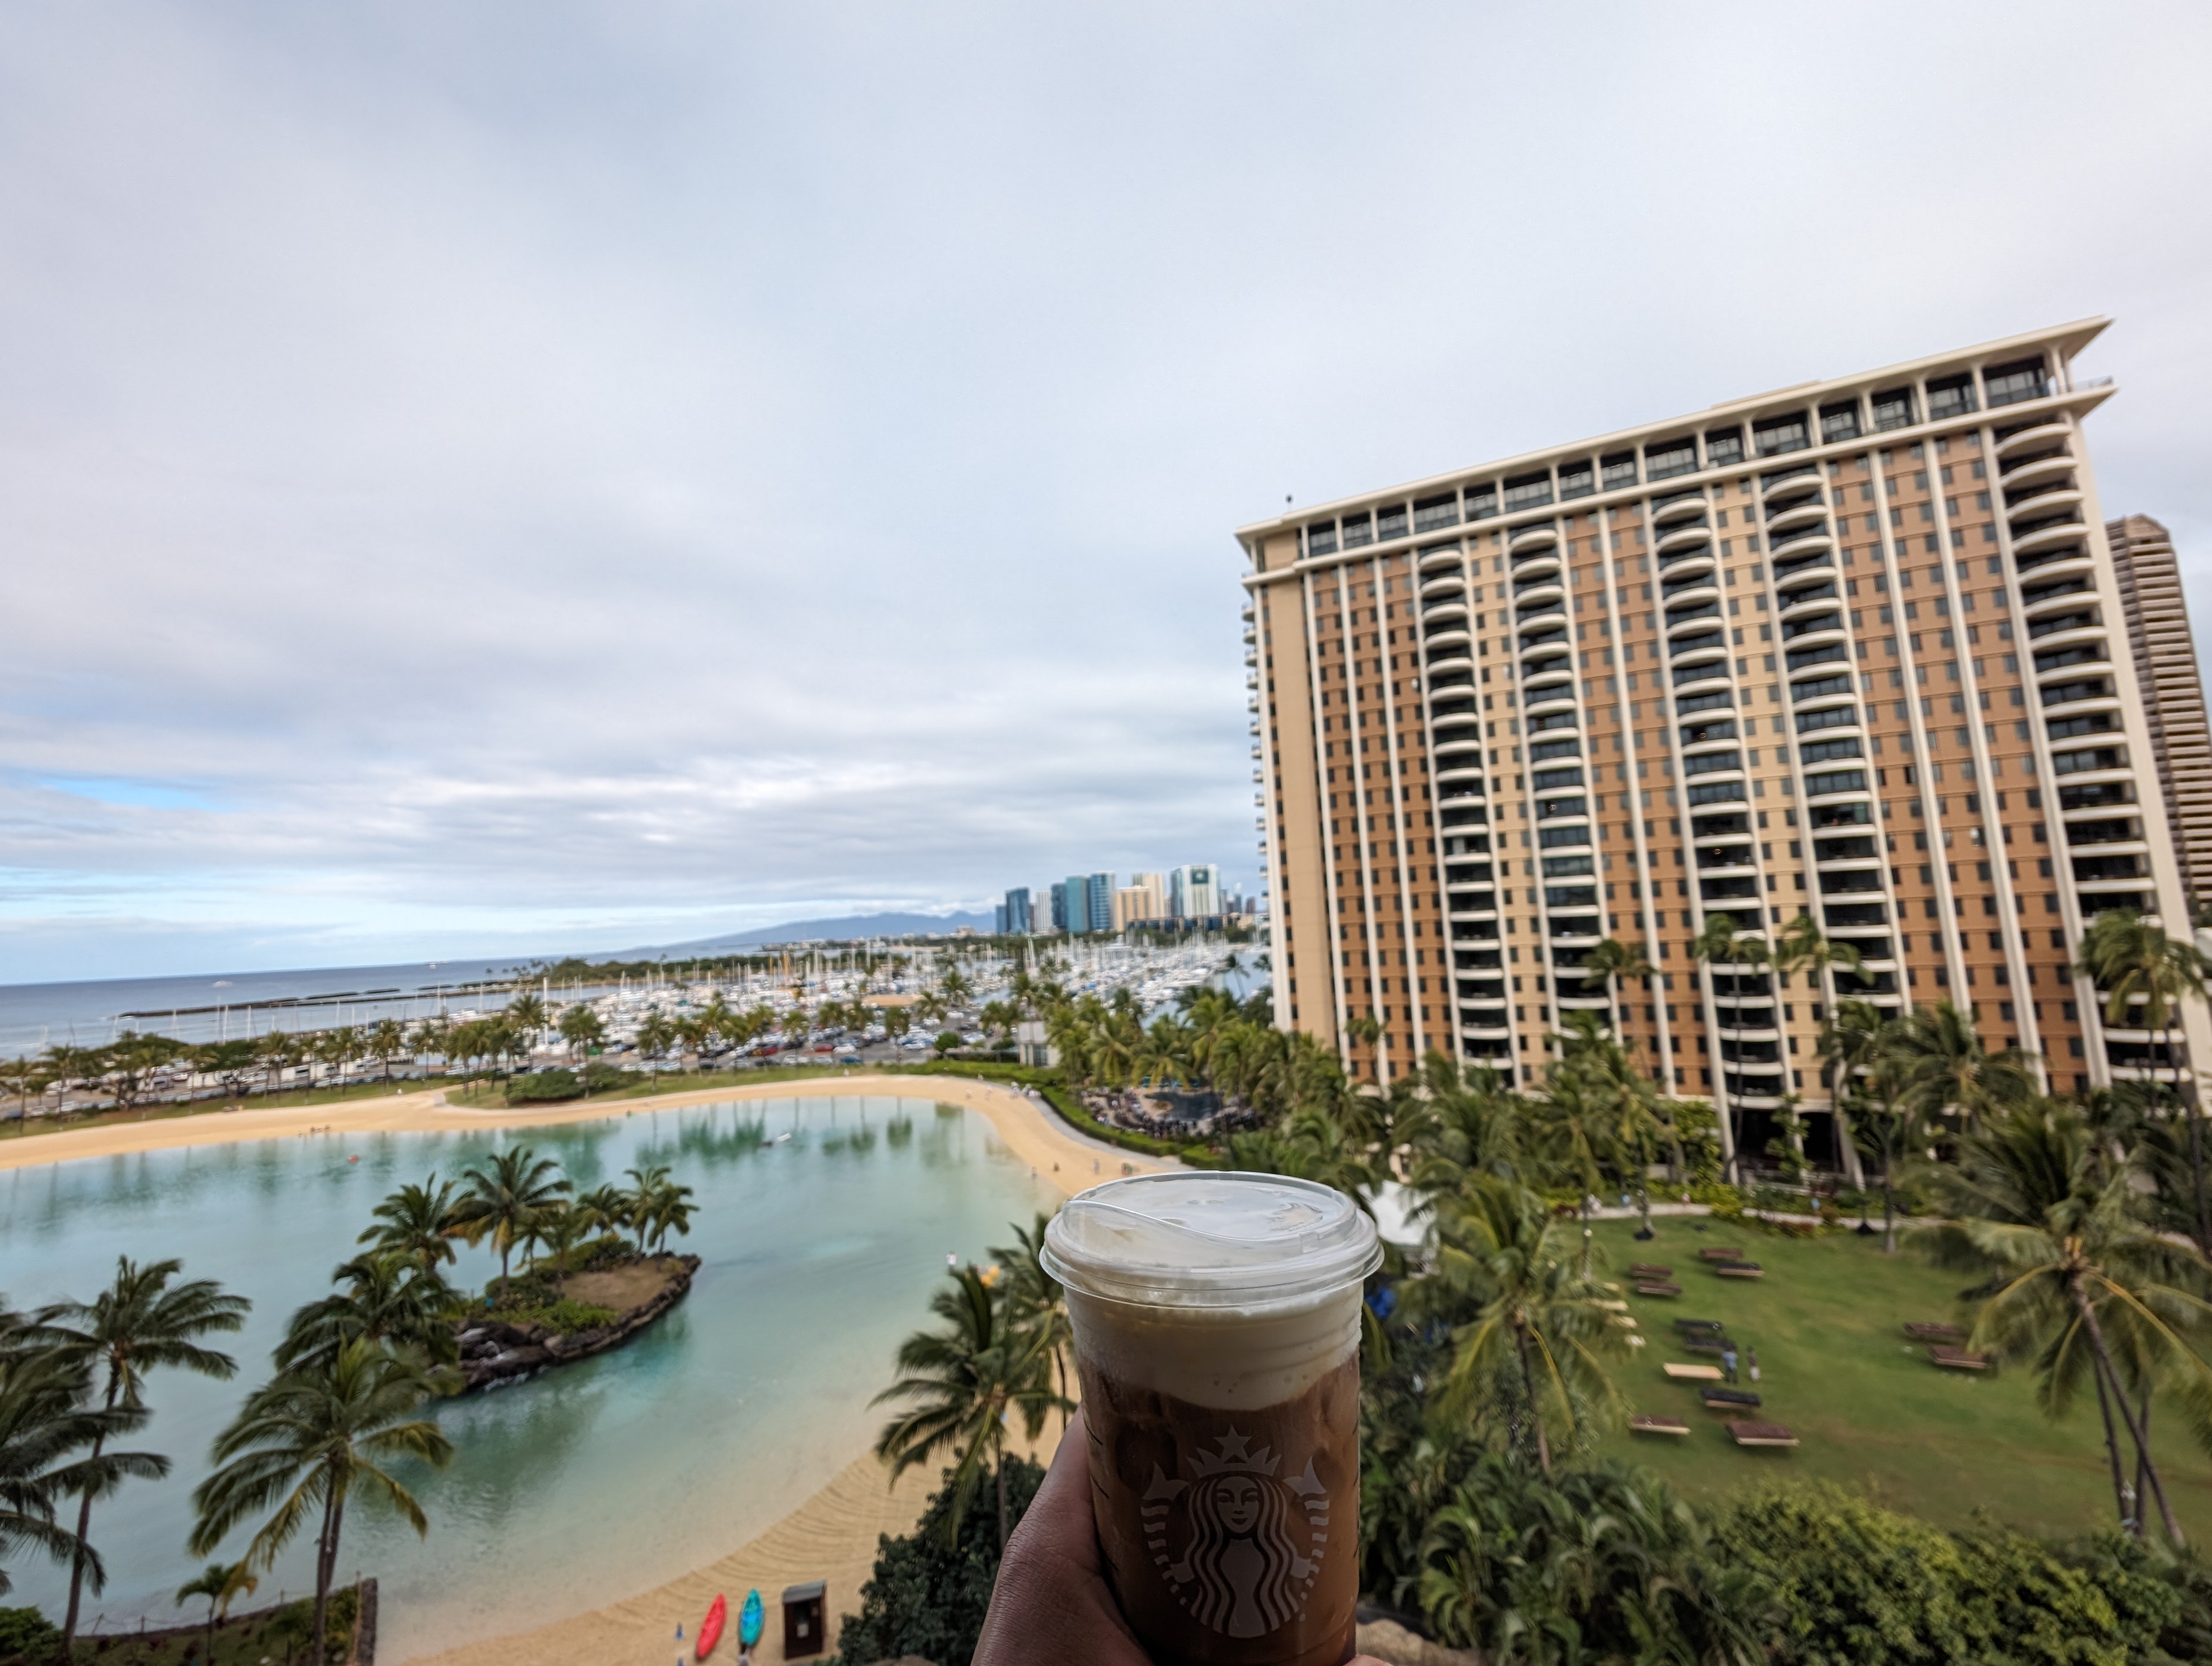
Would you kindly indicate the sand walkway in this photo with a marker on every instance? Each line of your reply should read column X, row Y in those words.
column 832, row 1536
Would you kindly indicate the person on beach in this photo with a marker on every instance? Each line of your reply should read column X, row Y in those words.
column 1051, row 1602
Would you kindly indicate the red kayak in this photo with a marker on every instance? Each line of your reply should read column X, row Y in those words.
column 710, row 1628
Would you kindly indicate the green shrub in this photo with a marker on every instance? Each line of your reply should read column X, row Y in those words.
column 1859, row 1585
column 26, row 1635
column 600, row 1077
column 562, row 1316
column 544, row 1087
column 926, row 1595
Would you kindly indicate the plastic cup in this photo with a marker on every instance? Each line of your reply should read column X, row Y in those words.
column 1217, row 1337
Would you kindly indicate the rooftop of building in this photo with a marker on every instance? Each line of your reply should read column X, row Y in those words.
column 2061, row 342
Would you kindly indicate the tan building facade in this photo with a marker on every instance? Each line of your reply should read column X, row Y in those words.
column 2165, row 652
column 1855, row 650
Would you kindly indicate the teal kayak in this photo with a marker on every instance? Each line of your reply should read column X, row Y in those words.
column 750, row 1619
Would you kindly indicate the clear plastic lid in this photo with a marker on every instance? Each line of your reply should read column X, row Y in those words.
column 1210, row 1240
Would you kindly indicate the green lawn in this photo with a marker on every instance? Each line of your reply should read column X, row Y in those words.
column 1868, row 1409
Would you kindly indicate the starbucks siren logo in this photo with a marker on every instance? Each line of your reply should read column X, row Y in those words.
column 1251, row 1543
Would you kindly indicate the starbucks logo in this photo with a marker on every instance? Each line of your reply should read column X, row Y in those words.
column 1239, row 1547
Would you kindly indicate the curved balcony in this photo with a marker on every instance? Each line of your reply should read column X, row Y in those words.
column 1699, row 615
column 1442, row 580
column 2029, row 438
column 1798, row 514
column 1683, row 537
column 1446, row 560
column 2078, row 632
column 1822, row 556
column 1452, row 657
column 2053, row 497
column 1533, row 536
column 1531, row 597
column 1828, row 701
column 1794, row 602
column 2050, row 465
column 2066, row 590
column 2049, row 535
column 1834, row 785
column 1817, row 626
column 1700, row 670
column 1801, row 540
column 1447, row 598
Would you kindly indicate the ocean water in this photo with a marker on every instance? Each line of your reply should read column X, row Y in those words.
column 590, row 1483
column 213, row 1006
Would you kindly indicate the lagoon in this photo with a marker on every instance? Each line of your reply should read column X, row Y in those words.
column 586, row 1485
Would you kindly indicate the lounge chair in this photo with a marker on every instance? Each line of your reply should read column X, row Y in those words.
column 1760, row 1434
column 1951, row 1358
column 1705, row 1342
column 1645, row 1269
column 1741, row 1269
column 1720, row 1254
column 1668, row 1290
column 1743, row 1397
column 1677, row 1372
column 1692, row 1326
column 1936, row 1333
column 1657, row 1425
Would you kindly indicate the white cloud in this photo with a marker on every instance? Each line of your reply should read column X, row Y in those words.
column 533, row 475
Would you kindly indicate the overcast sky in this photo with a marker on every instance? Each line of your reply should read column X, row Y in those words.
column 499, row 478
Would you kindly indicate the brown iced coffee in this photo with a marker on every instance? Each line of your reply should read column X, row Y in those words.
column 1216, row 1333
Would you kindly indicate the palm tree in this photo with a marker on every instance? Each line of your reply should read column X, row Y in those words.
column 1034, row 1303
column 387, row 1040
column 304, row 1441
column 23, row 1078
column 2135, row 962
column 668, row 1207
column 386, row 1295
column 140, row 1323
column 604, row 1207
column 963, row 1382
column 1859, row 1042
column 507, row 1201
column 637, row 1201
column 654, row 1035
column 581, row 1029
column 418, row 1223
column 1714, row 944
column 219, row 1582
column 44, row 1421
column 561, row 1232
column 1610, row 966
column 1946, row 1069
column 1573, row 1126
column 2070, row 1258
column 1504, row 1283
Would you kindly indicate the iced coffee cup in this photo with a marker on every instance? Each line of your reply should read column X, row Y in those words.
column 1217, row 1335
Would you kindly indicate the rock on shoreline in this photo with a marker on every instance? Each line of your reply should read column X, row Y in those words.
column 495, row 1352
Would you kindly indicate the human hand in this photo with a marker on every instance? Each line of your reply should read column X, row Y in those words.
column 1051, row 1602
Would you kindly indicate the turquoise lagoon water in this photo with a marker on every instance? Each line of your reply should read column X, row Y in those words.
column 589, row 1484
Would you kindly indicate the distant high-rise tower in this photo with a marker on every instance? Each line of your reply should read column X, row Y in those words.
column 2172, row 688
column 1855, row 650
column 1194, row 891
column 1015, row 913
column 1101, row 902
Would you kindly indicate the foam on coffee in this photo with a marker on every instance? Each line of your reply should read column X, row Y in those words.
column 1233, row 1290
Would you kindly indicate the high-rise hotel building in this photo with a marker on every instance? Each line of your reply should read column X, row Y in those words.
column 1858, row 650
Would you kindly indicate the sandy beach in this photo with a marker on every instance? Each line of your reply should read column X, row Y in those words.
column 832, row 1536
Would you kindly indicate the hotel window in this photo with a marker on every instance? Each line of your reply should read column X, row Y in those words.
column 1952, row 396
column 1893, row 410
column 1723, row 447
column 1358, row 530
column 1668, row 458
column 1481, row 502
column 2009, row 383
column 1391, row 521
column 1527, row 491
column 1618, row 470
column 1577, row 479
column 1839, row 422
column 1321, row 538
column 1778, row 434
column 1431, row 513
